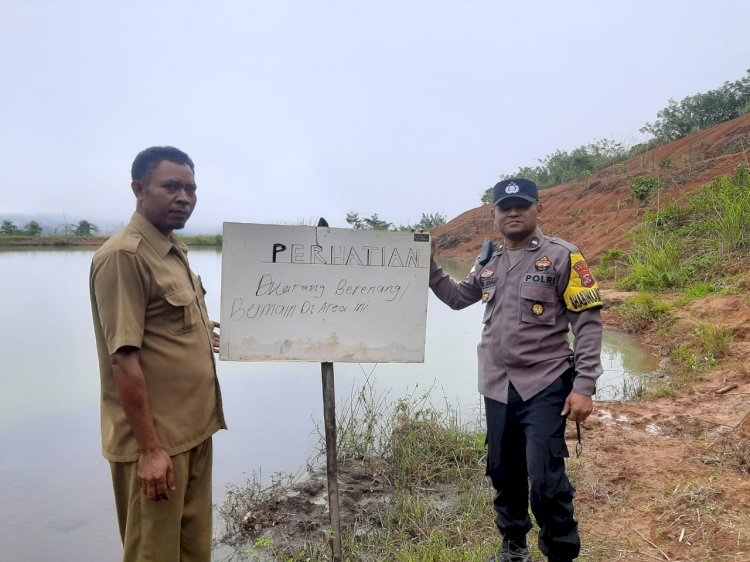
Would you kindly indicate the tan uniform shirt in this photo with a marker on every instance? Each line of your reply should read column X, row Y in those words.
column 144, row 295
column 528, row 309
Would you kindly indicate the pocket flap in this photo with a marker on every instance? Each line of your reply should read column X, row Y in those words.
column 183, row 296
column 537, row 293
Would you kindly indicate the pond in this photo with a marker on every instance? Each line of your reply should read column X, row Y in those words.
column 55, row 485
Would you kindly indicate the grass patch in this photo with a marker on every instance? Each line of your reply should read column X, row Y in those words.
column 610, row 265
column 203, row 240
column 690, row 244
column 715, row 341
column 643, row 311
column 706, row 345
column 655, row 263
column 709, row 343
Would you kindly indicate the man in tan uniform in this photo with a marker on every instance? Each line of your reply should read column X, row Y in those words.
column 534, row 288
column 160, row 398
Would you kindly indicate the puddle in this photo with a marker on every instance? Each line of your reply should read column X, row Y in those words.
column 625, row 365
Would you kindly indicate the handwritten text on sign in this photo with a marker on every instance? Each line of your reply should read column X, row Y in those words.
column 305, row 293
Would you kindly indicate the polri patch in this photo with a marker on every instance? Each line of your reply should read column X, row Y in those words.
column 542, row 264
column 543, row 279
column 488, row 272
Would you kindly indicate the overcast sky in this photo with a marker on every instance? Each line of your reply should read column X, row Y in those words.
column 294, row 110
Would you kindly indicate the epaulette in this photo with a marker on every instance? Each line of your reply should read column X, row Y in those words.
column 564, row 243
column 130, row 240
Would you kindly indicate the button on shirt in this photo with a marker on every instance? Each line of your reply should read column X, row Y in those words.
column 144, row 295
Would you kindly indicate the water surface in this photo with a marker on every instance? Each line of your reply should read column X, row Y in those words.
column 55, row 487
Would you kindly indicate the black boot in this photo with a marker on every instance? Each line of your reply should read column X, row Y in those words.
column 513, row 551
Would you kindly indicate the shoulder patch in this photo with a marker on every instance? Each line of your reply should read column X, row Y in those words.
column 582, row 292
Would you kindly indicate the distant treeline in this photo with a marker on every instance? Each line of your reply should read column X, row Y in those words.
column 677, row 120
column 84, row 228
column 374, row 222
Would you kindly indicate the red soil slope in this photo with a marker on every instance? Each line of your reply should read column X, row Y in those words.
column 596, row 214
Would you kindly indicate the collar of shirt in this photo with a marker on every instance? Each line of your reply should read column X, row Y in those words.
column 534, row 243
column 162, row 244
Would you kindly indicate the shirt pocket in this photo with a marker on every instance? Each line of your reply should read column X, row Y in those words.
column 538, row 304
column 183, row 302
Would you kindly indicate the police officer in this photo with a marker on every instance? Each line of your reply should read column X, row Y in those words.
column 533, row 288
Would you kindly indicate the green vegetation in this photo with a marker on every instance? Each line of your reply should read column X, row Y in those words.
column 374, row 222
column 84, row 228
column 707, row 344
column 642, row 187
column 32, row 228
column 677, row 120
column 701, row 111
column 680, row 246
column 562, row 166
column 655, row 263
column 610, row 264
column 643, row 311
column 713, row 341
column 203, row 240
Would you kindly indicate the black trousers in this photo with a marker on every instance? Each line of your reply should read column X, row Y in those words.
column 526, row 445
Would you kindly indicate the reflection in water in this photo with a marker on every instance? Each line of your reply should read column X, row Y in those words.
column 54, row 483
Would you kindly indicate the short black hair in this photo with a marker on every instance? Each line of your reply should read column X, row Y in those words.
column 148, row 159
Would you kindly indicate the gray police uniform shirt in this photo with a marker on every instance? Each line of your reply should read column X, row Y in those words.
column 528, row 310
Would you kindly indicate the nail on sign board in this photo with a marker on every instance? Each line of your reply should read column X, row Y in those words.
column 306, row 293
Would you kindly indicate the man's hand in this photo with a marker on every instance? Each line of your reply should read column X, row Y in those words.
column 216, row 337
column 577, row 407
column 156, row 474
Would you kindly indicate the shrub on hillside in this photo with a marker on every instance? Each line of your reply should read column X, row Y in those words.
column 643, row 311
column 642, row 187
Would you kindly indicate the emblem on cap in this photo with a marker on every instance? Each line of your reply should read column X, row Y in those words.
column 537, row 309
column 511, row 188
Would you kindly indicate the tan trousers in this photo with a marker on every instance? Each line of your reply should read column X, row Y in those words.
column 173, row 530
